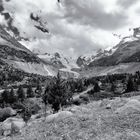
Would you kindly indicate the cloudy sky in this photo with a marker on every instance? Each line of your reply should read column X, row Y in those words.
column 75, row 27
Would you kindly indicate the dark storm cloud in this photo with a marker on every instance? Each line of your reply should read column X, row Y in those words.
column 126, row 3
column 93, row 13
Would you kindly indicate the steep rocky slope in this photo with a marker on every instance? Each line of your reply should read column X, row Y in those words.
column 64, row 64
column 122, row 58
column 85, row 60
column 126, row 51
column 58, row 60
column 15, row 54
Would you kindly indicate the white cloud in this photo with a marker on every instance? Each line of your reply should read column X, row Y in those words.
column 76, row 26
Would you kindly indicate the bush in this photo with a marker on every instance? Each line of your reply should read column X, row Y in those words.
column 33, row 107
column 21, row 106
column 26, row 115
column 18, row 106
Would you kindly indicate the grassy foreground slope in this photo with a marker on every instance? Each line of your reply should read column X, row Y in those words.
column 117, row 119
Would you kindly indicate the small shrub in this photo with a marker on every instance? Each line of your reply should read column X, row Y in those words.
column 26, row 115
column 35, row 108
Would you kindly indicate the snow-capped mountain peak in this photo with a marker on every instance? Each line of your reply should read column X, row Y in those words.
column 58, row 60
column 99, row 54
column 87, row 59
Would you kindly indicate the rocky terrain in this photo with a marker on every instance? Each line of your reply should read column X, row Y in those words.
column 127, row 50
column 116, row 119
column 49, row 96
column 15, row 54
column 122, row 58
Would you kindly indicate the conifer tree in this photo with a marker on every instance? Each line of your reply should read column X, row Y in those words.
column 45, row 98
column 130, row 85
column 30, row 93
column 38, row 89
column 12, row 96
column 113, row 87
column 4, row 96
column 21, row 93
column 56, row 93
column 26, row 114
column 96, row 87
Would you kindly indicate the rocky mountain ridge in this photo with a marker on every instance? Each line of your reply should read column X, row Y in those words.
column 127, row 50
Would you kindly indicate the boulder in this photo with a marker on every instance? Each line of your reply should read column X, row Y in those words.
column 108, row 106
column 6, row 113
column 12, row 126
column 113, row 104
column 59, row 116
column 79, row 110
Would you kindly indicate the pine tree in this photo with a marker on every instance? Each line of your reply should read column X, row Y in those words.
column 26, row 114
column 12, row 96
column 45, row 99
column 56, row 93
column 21, row 93
column 113, row 88
column 96, row 87
column 30, row 93
column 130, row 85
column 38, row 89
column 4, row 96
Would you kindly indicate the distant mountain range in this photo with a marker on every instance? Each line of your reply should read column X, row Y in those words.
column 124, row 55
column 128, row 50
column 15, row 54
column 122, row 58
column 114, row 60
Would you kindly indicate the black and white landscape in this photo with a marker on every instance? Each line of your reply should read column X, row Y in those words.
column 69, row 70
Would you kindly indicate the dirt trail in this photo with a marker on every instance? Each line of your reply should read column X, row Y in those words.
column 82, row 93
